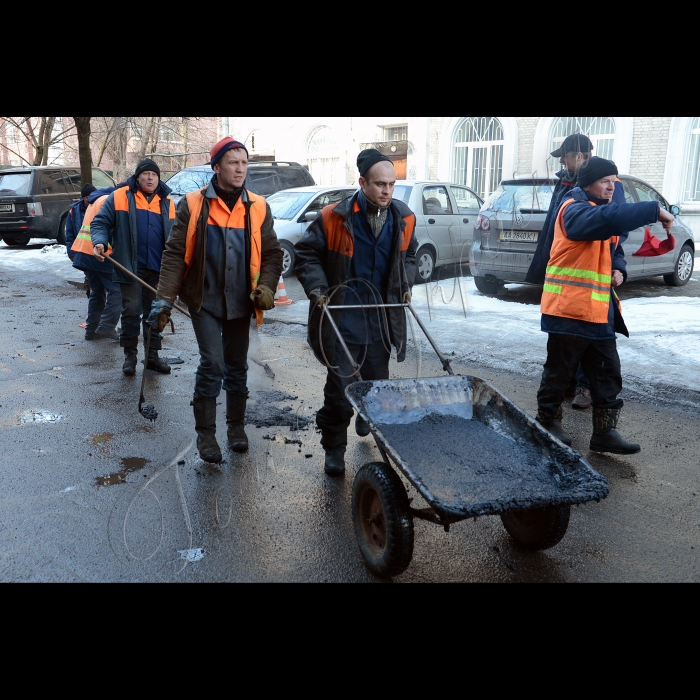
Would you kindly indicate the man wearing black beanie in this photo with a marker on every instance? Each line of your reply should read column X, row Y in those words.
column 136, row 221
column 359, row 252
column 581, row 311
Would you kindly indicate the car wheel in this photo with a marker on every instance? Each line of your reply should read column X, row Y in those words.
column 61, row 236
column 290, row 258
column 425, row 265
column 17, row 241
column 489, row 287
column 685, row 266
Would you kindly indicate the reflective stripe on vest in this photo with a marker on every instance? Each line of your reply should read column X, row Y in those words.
column 83, row 242
column 258, row 212
column 579, row 277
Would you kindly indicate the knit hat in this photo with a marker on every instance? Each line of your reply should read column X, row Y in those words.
column 368, row 159
column 87, row 191
column 223, row 147
column 596, row 169
column 147, row 166
column 577, row 143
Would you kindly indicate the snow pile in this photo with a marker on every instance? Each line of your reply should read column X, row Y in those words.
column 52, row 258
column 664, row 350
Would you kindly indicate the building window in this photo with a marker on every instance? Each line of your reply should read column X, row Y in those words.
column 691, row 191
column 600, row 130
column 396, row 133
column 478, row 154
column 324, row 157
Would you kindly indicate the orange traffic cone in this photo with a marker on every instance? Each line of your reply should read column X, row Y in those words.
column 283, row 299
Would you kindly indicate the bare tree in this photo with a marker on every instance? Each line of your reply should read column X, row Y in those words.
column 82, row 125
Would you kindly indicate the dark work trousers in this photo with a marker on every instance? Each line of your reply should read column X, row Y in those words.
column 335, row 416
column 105, row 306
column 223, row 349
column 582, row 380
column 136, row 308
column 601, row 364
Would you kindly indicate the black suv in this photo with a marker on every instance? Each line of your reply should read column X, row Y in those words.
column 34, row 201
column 264, row 178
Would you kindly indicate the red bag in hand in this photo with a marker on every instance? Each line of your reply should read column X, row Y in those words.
column 653, row 247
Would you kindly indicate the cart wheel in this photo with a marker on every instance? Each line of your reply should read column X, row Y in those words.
column 538, row 530
column 383, row 522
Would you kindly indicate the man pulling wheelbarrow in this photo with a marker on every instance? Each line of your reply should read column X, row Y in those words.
column 362, row 252
column 223, row 247
column 581, row 311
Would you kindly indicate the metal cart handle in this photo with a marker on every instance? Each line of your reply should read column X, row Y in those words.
column 446, row 364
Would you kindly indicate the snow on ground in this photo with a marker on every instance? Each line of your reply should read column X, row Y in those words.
column 52, row 258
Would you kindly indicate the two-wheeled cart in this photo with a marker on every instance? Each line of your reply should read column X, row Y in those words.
column 469, row 452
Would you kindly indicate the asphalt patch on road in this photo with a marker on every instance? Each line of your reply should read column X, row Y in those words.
column 265, row 412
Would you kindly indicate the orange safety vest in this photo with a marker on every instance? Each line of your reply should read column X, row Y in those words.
column 579, row 276
column 220, row 216
column 83, row 242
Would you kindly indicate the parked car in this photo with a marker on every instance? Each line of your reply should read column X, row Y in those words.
column 263, row 178
column 295, row 209
column 446, row 214
column 508, row 230
column 34, row 201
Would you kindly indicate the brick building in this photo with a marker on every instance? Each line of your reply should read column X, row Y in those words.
column 479, row 151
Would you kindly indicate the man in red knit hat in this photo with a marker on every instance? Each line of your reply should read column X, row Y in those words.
column 224, row 260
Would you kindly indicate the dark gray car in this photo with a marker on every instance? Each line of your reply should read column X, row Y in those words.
column 510, row 223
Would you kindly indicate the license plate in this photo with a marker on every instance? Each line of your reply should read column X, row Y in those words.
column 520, row 237
column 7, row 207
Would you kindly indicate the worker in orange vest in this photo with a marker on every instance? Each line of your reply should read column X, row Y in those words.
column 224, row 261
column 581, row 311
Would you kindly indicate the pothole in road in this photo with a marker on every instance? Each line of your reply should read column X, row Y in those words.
column 131, row 465
column 45, row 417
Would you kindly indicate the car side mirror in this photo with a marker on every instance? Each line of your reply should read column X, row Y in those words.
column 676, row 210
column 311, row 216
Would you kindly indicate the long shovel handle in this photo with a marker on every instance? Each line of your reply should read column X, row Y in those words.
column 136, row 278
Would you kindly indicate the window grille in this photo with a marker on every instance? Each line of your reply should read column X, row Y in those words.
column 600, row 130
column 692, row 179
column 478, row 154
column 324, row 157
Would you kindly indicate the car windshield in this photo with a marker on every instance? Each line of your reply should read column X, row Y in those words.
column 187, row 181
column 526, row 197
column 287, row 205
column 15, row 184
column 101, row 179
column 403, row 193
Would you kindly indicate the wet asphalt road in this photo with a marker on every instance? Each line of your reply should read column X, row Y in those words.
column 97, row 494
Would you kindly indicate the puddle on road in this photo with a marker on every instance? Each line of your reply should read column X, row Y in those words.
column 131, row 465
column 44, row 417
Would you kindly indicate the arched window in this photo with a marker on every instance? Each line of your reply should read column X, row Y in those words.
column 324, row 157
column 600, row 130
column 478, row 154
column 691, row 191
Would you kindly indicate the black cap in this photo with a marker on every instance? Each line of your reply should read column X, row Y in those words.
column 147, row 166
column 596, row 169
column 578, row 143
column 369, row 158
column 87, row 190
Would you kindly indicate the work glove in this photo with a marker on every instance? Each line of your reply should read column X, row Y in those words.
column 407, row 298
column 319, row 297
column 160, row 315
column 263, row 298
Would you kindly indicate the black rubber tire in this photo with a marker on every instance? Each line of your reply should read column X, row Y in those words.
column 538, row 530
column 387, row 539
column 425, row 259
column 683, row 273
column 17, row 241
column 290, row 257
column 61, row 235
column 487, row 287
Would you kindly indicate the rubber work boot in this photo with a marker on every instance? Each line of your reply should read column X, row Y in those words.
column 555, row 428
column 362, row 427
column 205, row 425
column 235, row 419
column 335, row 461
column 130, row 361
column 583, row 400
column 157, row 365
column 606, row 439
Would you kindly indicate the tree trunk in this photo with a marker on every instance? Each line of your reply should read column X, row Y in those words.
column 82, row 124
